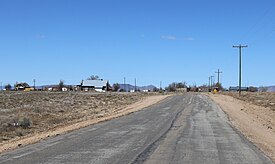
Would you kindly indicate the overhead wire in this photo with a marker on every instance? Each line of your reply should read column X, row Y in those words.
column 261, row 23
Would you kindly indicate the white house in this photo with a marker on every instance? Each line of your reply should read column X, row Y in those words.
column 94, row 85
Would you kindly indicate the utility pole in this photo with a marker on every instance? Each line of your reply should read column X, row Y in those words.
column 34, row 84
column 240, row 65
column 209, row 85
column 135, row 84
column 218, row 75
column 160, row 83
column 212, row 81
column 124, row 84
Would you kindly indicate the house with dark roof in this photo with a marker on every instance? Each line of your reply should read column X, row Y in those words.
column 22, row 86
column 95, row 85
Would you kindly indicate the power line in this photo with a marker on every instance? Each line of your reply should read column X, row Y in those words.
column 262, row 27
column 240, row 65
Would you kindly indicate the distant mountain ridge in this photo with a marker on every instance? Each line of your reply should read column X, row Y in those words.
column 271, row 89
column 129, row 87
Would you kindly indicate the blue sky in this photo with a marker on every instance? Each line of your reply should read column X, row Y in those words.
column 152, row 41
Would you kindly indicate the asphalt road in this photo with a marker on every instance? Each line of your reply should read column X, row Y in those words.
column 188, row 128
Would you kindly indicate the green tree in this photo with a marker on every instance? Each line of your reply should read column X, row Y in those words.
column 219, row 86
column 116, row 87
column 61, row 84
column 155, row 89
column 8, row 87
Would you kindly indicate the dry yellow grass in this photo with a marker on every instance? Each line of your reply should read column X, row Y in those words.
column 263, row 99
column 26, row 113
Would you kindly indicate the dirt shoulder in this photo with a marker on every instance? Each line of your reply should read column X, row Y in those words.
column 257, row 123
column 61, row 129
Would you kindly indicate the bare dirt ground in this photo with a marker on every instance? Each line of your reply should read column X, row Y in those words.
column 253, row 114
column 28, row 117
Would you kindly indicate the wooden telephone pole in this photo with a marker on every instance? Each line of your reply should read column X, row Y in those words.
column 240, row 65
column 218, row 75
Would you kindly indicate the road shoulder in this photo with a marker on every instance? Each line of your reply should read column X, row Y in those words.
column 255, row 122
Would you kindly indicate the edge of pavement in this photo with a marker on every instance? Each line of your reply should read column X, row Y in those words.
column 34, row 138
column 247, row 123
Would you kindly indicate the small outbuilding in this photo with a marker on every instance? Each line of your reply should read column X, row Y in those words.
column 235, row 89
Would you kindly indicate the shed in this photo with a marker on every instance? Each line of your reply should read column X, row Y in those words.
column 237, row 89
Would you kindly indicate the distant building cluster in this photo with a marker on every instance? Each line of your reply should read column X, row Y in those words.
column 97, row 85
column 235, row 89
column 100, row 85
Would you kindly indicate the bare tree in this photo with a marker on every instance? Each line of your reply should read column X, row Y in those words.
column 252, row 89
column 93, row 77
column 263, row 89
column 181, row 85
column 171, row 87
